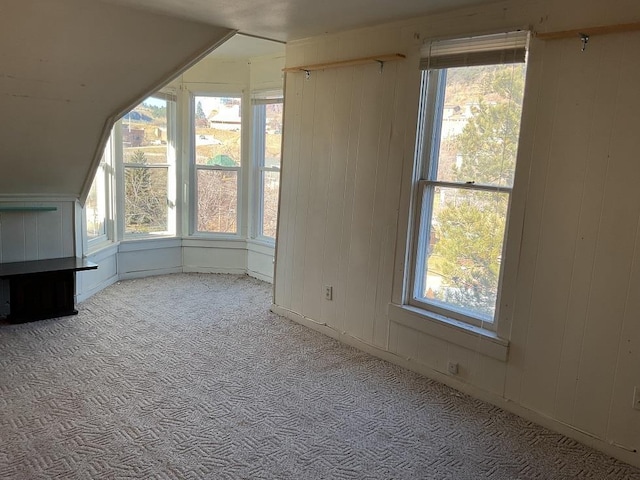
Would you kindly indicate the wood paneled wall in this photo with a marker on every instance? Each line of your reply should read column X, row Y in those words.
column 575, row 327
column 574, row 333
column 37, row 235
column 34, row 235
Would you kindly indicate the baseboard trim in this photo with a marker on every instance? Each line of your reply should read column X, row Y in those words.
column 233, row 271
column 148, row 273
column 260, row 276
column 630, row 457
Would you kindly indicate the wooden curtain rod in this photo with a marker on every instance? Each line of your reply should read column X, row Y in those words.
column 346, row 63
column 601, row 30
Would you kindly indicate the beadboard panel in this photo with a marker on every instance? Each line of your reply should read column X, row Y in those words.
column 559, row 226
column 34, row 235
column 572, row 264
column 37, row 235
column 340, row 174
column 587, row 244
column 579, row 242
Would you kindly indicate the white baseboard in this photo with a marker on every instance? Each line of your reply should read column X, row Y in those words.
column 619, row 452
column 260, row 276
column 149, row 273
column 193, row 269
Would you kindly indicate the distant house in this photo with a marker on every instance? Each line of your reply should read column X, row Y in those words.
column 227, row 118
column 132, row 137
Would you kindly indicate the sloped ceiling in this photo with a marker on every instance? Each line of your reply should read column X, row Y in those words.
column 287, row 20
column 68, row 68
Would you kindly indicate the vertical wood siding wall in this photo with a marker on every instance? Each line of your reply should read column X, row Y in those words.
column 34, row 235
column 574, row 331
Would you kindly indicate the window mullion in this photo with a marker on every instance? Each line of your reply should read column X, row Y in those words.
column 468, row 186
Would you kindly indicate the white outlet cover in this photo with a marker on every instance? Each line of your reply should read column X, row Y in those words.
column 452, row 367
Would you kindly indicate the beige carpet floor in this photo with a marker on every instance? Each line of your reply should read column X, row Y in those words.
column 190, row 376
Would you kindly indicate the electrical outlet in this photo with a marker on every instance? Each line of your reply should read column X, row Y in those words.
column 328, row 292
column 636, row 398
column 452, row 368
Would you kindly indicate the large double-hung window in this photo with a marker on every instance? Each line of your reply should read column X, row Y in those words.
column 472, row 91
column 267, row 141
column 98, row 207
column 217, row 130
column 148, row 156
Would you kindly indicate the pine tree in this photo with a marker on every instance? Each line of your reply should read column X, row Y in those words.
column 469, row 224
column 145, row 197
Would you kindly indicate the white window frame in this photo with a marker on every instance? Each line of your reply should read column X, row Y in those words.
column 170, row 167
column 427, row 148
column 258, row 107
column 193, row 229
column 104, row 175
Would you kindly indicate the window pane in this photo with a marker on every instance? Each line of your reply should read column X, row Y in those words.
column 146, row 206
column 273, row 135
column 464, row 250
column 95, row 207
column 270, row 189
column 217, row 201
column 217, row 127
column 144, row 132
column 480, row 124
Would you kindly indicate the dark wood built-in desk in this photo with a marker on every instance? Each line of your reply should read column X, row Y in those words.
column 42, row 289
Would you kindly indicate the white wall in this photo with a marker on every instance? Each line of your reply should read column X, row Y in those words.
column 569, row 312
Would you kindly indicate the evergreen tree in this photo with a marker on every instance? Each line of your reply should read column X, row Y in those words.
column 469, row 224
column 201, row 117
column 145, row 197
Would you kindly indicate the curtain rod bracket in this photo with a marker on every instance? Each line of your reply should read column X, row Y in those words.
column 307, row 74
column 381, row 63
column 584, row 38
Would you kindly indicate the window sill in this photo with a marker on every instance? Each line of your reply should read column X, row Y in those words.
column 149, row 243
column 134, row 237
column 263, row 242
column 471, row 337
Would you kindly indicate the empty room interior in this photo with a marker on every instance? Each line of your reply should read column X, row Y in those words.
column 362, row 239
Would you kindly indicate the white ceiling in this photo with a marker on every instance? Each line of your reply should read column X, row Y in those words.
column 243, row 46
column 287, row 20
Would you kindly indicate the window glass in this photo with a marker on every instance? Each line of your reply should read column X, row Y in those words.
column 146, row 209
column 270, row 191
column 217, row 201
column 217, row 127
column 95, row 206
column 146, row 155
column 465, row 189
column 267, row 115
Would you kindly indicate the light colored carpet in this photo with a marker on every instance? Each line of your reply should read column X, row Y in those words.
column 190, row 376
